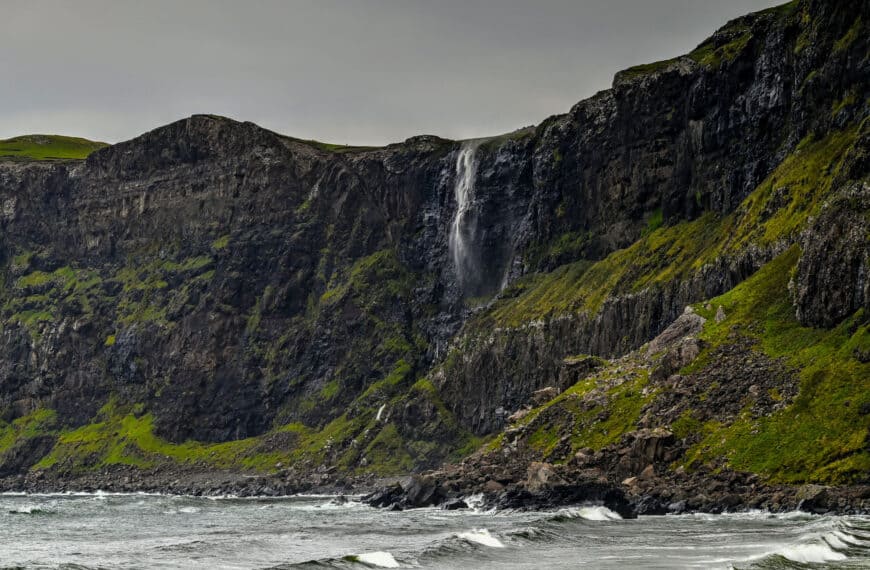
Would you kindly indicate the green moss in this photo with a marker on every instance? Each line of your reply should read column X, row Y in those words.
column 373, row 279
column 330, row 389
column 567, row 247
column 38, row 422
column 540, row 295
column 821, row 435
column 122, row 438
column 848, row 100
column 545, row 439
column 221, row 242
column 804, row 38
column 146, row 295
column 604, row 425
column 686, row 425
column 849, row 37
column 646, row 68
column 710, row 55
column 777, row 210
column 397, row 376
column 110, row 340
column 387, row 452
column 655, row 221
column 493, row 143
column 337, row 148
column 47, row 147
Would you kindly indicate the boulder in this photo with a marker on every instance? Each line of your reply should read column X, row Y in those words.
column 542, row 476
column 687, row 324
column 544, row 395
column 454, row 505
column 423, row 491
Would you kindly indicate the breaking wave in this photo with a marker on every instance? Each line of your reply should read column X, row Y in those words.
column 826, row 543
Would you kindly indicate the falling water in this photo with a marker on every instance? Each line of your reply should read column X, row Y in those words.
column 462, row 226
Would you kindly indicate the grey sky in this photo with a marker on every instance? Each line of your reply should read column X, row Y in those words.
column 354, row 71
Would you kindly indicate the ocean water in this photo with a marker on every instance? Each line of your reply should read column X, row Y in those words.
column 83, row 531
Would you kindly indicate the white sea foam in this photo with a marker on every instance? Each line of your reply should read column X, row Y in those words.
column 474, row 501
column 591, row 514
column 380, row 559
column 28, row 510
column 811, row 553
column 481, row 536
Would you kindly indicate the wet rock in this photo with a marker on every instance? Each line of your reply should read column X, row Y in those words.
column 423, row 491
column 812, row 499
column 385, row 497
column 454, row 504
column 649, row 505
column 542, row 476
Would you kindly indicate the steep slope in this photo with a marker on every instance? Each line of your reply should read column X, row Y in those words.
column 213, row 295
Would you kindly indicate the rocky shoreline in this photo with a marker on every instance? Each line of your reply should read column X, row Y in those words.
column 545, row 487
column 548, row 486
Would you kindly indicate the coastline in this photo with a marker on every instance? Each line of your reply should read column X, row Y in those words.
column 451, row 487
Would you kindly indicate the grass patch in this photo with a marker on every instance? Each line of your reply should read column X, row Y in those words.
column 822, row 435
column 777, row 210
column 47, row 147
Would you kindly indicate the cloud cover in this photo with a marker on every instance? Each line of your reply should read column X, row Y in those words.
column 355, row 72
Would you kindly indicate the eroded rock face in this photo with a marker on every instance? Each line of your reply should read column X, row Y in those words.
column 833, row 276
column 227, row 279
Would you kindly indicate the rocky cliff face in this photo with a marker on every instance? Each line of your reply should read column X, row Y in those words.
column 215, row 294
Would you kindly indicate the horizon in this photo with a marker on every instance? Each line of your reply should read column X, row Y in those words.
column 472, row 70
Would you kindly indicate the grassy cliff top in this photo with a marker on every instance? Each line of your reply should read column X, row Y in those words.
column 47, row 147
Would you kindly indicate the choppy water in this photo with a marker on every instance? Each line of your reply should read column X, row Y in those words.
column 147, row 531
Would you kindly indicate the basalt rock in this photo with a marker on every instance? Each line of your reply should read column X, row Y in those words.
column 213, row 281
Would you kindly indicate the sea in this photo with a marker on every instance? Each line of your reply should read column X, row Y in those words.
column 120, row 531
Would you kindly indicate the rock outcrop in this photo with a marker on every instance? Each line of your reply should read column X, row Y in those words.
column 215, row 295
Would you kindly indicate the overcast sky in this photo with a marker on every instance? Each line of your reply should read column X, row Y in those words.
column 354, row 71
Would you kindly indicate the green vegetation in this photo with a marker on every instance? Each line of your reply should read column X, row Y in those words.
column 47, row 147
column 821, row 435
column 387, row 451
column 775, row 211
column 849, row 37
column 848, row 100
column 379, row 278
column 646, row 68
column 655, row 221
column 330, row 147
column 710, row 55
column 495, row 142
column 221, row 242
column 39, row 422
column 39, row 296
column 120, row 437
column 568, row 246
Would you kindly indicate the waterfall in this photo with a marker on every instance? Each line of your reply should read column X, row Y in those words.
column 462, row 227
column 380, row 412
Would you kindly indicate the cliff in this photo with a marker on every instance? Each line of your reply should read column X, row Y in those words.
column 215, row 296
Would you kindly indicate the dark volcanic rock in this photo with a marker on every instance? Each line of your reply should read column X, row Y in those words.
column 215, row 281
